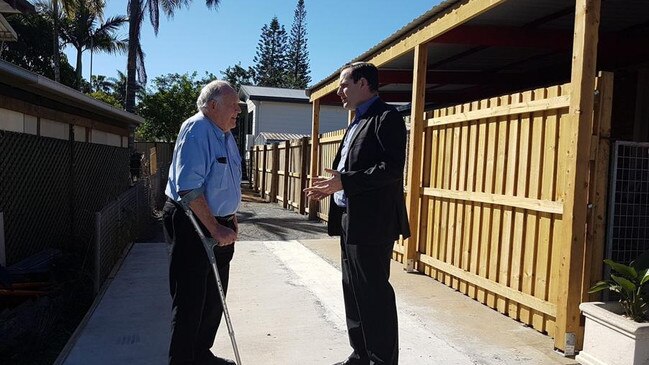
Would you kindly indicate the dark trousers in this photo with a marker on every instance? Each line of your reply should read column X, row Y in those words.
column 370, row 305
column 196, row 306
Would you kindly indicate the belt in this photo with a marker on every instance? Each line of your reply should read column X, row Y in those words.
column 226, row 218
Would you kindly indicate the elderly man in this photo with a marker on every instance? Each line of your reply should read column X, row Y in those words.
column 368, row 211
column 205, row 157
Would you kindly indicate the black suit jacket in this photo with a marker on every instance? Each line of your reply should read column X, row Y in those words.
column 373, row 180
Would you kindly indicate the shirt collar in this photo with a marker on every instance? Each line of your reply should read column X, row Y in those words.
column 363, row 107
column 219, row 132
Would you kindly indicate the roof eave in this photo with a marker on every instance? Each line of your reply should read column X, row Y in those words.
column 427, row 16
column 34, row 83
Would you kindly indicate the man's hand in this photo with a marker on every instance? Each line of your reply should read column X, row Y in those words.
column 223, row 235
column 324, row 186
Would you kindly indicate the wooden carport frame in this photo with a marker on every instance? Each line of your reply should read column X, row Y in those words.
column 571, row 273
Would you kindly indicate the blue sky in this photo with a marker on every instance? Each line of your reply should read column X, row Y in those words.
column 198, row 39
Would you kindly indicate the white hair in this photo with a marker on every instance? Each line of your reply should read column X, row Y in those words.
column 211, row 91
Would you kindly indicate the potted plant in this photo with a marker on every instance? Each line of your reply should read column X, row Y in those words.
column 618, row 333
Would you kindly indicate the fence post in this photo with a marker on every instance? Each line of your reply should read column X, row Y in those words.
column 287, row 172
column 97, row 251
column 315, row 153
column 304, row 147
column 257, row 164
column 250, row 169
column 274, row 173
column 414, row 155
column 3, row 252
column 262, row 192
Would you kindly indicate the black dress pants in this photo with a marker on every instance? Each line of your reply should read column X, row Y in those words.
column 196, row 306
column 370, row 305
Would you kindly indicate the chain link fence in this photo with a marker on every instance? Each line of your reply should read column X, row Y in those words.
column 119, row 223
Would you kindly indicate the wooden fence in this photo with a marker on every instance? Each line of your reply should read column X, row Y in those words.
column 491, row 202
column 279, row 172
column 491, row 205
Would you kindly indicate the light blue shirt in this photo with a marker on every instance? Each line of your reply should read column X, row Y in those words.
column 206, row 156
column 339, row 197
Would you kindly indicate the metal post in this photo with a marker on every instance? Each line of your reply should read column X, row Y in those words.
column 97, row 251
column 3, row 253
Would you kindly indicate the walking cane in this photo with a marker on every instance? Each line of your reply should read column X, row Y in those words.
column 208, row 244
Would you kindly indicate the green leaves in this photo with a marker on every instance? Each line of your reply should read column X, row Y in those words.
column 168, row 104
column 628, row 282
column 622, row 269
column 599, row 286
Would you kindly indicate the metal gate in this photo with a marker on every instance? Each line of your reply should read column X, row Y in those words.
column 628, row 220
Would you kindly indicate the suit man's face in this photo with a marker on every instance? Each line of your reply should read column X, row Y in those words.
column 351, row 93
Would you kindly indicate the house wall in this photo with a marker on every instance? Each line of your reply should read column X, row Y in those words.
column 270, row 116
column 22, row 122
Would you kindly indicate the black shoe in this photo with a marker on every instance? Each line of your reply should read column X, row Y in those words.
column 350, row 361
column 215, row 360
column 222, row 361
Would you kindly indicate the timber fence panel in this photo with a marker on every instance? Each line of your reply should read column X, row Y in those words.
column 329, row 143
column 490, row 205
column 295, row 174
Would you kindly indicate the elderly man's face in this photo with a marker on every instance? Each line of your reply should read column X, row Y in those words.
column 224, row 111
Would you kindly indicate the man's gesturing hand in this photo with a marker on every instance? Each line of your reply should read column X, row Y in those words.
column 324, row 186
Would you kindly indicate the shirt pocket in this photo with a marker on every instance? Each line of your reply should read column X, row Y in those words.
column 216, row 178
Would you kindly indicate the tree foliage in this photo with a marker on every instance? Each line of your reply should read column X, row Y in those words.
column 271, row 58
column 34, row 49
column 298, row 55
column 106, row 98
column 111, row 89
column 171, row 101
column 56, row 14
column 237, row 75
column 135, row 59
column 82, row 28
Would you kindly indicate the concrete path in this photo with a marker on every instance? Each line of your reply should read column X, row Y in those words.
column 286, row 306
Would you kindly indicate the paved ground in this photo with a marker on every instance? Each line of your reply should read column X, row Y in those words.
column 286, row 306
column 269, row 222
column 261, row 221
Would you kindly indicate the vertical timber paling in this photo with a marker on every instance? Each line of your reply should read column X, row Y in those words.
column 578, row 134
column 414, row 155
column 600, row 154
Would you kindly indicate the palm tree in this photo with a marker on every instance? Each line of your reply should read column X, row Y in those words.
column 81, row 30
column 135, row 60
column 118, row 87
column 52, row 9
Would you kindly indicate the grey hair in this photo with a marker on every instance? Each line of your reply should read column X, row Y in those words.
column 211, row 91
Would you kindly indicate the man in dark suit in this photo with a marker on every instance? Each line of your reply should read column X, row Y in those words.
column 368, row 211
